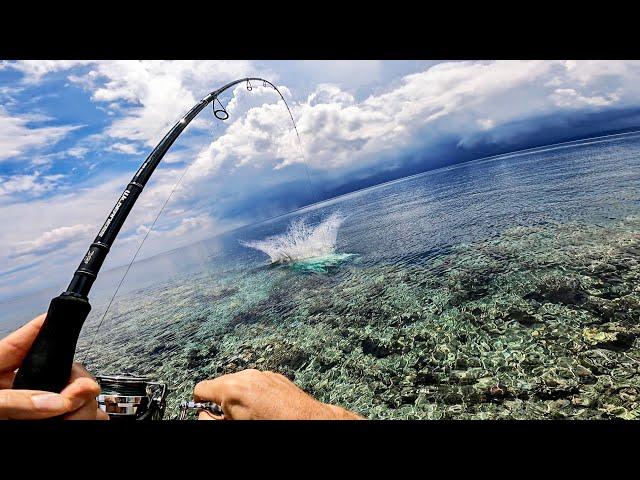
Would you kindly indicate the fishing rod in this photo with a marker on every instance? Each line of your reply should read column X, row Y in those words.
column 47, row 366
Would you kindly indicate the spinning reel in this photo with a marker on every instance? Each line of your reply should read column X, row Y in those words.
column 126, row 397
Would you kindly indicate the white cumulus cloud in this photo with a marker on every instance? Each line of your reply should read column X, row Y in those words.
column 33, row 184
column 51, row 240
column 19, row 134
column 459, row 99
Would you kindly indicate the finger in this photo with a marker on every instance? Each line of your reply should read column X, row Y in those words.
column 32, row 404
column 16, row 345
column 101, row 415
column 83, row 387
column 77, row 372
column 6, row 379
column 81, row 383
column 205, row 415
column 216, row 390
column 81, row 391
column 87, row 412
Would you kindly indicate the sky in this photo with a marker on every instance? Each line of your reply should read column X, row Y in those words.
column 73, row 133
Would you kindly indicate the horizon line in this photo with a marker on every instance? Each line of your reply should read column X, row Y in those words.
column 379, row 185
column 314, row 205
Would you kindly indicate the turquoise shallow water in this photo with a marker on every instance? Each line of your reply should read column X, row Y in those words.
column 501, row 288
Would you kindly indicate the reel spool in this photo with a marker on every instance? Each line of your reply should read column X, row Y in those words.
column 126, row 397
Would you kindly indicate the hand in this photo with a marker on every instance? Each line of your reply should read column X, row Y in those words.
column 76, row 402
column 255, row 395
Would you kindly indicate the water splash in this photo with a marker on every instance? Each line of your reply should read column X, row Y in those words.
column 301, row 241
column 324, row 264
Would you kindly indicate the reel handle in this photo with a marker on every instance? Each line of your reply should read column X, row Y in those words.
column 48, row 364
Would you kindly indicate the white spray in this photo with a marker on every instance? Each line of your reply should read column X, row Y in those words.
column 301, row 241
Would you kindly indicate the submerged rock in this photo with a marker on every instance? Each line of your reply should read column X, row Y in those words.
column 610, row 340
column 538, row 322
column 375, row 348
column 566, row 291
column 523, row 317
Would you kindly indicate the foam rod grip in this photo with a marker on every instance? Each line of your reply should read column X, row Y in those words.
column 48, row 364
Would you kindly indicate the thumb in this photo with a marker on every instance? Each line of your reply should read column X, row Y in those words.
column 32, row 404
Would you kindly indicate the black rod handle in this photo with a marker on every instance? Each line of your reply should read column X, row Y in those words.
column 48, row 364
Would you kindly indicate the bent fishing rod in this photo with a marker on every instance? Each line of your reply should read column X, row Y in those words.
column 48, row 363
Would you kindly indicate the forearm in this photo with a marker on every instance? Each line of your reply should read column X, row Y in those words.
column 256, row 395
column 338, row 413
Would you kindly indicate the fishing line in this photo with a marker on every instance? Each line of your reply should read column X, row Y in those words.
column 315, row 196
column 104, row 315
column 221, row 114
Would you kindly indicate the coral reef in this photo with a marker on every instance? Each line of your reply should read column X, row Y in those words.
column 537, row 322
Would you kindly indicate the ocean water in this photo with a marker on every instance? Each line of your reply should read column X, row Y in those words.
column 507, row 287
